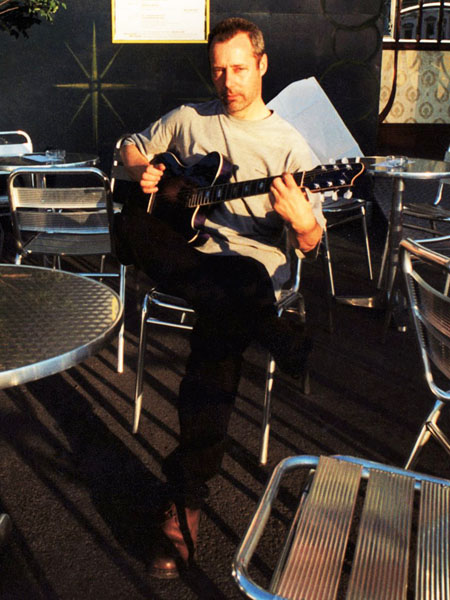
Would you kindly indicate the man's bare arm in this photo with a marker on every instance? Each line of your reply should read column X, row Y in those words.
column 292, row 204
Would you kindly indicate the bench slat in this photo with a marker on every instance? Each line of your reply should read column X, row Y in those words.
column 433, row 555
column 314, row 563
column 380, row 563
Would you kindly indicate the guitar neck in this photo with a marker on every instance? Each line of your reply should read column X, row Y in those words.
column 323, row 178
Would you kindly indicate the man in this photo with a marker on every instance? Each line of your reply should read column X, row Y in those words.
column 233, row 277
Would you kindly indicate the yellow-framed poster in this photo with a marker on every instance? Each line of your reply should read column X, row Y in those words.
column 160, row 21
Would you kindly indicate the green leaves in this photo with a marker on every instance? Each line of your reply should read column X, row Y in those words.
column 17, row 16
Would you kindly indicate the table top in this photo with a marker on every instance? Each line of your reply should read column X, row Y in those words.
column 38, row 159
column 415, row 168
column 51, row 320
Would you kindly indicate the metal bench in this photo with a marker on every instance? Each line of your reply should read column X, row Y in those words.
column 399, row 519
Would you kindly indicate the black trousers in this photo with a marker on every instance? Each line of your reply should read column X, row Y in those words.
column 233, row 298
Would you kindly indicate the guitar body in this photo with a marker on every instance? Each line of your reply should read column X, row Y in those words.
column 178, row 184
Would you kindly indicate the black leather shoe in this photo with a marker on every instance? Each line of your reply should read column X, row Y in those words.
column 177, row 543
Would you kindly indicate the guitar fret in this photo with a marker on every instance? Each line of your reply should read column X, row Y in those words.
column 194, row 199
column 235, row 190
column 219, row 193
column 247, row 189
column 261, row 186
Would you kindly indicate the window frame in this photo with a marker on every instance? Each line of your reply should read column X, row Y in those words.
column 394, row 42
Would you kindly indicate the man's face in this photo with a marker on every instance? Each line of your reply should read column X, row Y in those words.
column 237, row 75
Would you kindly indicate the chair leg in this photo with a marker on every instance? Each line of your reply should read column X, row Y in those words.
column 366, row 240
column 327, row 257
column 328, row 273
column 121, row 337
column 270, row 373
column 265, row 427
column 383, row 263
column 140, row 365
column 426, row 432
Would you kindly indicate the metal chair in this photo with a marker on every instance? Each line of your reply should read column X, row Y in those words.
column 427, row 276
column 12, row 143
column 416, row 213
column 344, row 210
column 339, row 211
column 71, row 218
column 171, row 311
column 346, row 512
column 435, row 213
column 15, row 143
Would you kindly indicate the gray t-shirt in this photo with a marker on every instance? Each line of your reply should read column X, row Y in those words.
column 257, row 149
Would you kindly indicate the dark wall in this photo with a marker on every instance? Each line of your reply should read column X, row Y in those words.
column 70, row 87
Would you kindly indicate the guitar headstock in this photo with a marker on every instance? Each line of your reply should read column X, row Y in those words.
column 332, row 177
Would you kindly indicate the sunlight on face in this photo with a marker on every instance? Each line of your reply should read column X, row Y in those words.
column 237, row 76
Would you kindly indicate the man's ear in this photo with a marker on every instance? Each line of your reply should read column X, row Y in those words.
column 263, row 61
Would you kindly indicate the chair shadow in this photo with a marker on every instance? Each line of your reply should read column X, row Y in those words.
column 122, row 489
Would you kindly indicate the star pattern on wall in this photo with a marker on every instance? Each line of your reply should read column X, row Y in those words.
column 95, row 86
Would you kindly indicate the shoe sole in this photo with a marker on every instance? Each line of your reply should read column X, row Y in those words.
column 164, row 573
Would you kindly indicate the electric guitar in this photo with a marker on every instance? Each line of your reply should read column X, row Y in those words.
column 183, row 190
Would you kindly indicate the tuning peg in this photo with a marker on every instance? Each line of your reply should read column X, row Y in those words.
column 334, row 195
column 344, row 160
column 332, row 161
column 348, row 194
column 358, row 159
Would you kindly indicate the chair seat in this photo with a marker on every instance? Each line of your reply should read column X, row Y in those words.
column 422, row 210
column 342, row 204
column 345, row 497
column 58, row 244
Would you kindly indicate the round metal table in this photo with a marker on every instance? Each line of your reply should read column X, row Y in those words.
column 38, row 159
column 51, row 320
column 411, row 169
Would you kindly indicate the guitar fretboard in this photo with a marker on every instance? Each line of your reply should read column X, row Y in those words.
column 324, row 178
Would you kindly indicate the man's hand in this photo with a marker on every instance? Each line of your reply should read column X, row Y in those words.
column 139, row 169
column 151, row 177
column 292, row 204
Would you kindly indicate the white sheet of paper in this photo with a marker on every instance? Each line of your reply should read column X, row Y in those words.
column 305, row 105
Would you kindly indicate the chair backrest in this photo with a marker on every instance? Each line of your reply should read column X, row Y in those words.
column 443, row 190
column 62, row 201
column 15, row 143
column 426, row 273
column 118, row 171
column 447, row 154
